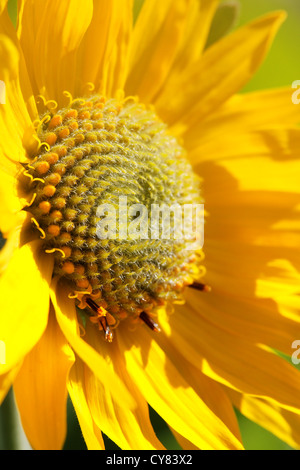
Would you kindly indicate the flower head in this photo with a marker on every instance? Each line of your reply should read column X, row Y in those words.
column 103, row 114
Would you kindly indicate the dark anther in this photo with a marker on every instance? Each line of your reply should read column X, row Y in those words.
column 106, row 329
column 92, row 304
column 200, row 286
column 150, row 322
column 100, row 318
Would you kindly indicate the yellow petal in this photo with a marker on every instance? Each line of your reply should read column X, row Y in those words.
column 282, row 423
column 243, row 113
column 15, row 116
column 198, row 20
column 101, row 366
column 41, row 389
column 128, row 428
column 261, row 318
column 223, row 70
column 3, row 4
column 198, row 23
column 19, row 110
column 11, row 219
column 208, row 390
column 117, row 66
column 15, row 238
column 76, row 387
column 24, row 302
column 229, row 358
column 169, row 392
column 15, row 120
column 276, row 143
column 50, row 33
column 155, row 42
column 109, row 32
column 184, row 443
column 252, row 234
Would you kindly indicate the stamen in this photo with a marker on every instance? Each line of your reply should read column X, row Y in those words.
column 108, row 333
column 28, row 204
column 56, row 250
column 89, row 87
column 38, row 142
column 47, row 146
column 201, row 287
column 25, row 173
column 35, row 222
column 82, row 329
column 38, row 180
column 150, row 322
column 100, row 318
column 41, row 98
column 68, row 95
column 92, row 304
column 42, row 122
column 50, row 104
column 79, row 101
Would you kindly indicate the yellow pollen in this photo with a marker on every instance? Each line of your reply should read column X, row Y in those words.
column 53, row 230
column 52, row 158
column 71, row 113
column 63, row 133
column 51, row 138
column 45, row 207
column 82, row 283
column 84, row 115
column 56, row 216
column 49, row 190
column 55, row 121
column 65, row 237
column 68, row 267
column 80, row 270
column 42, row 168
column 73, row 126
column 53, row 179
column 67, row 251
column 62, row 150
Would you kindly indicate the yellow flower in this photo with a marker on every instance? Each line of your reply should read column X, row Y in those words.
column 87, row 93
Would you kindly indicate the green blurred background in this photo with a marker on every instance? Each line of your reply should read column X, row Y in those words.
column 282, row 67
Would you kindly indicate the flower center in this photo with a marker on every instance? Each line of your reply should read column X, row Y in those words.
column 105, row 175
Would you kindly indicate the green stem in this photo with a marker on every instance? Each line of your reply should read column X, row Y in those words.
column 11, row 432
